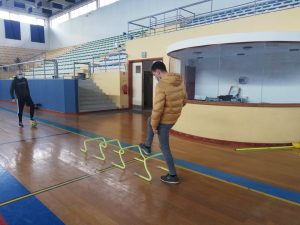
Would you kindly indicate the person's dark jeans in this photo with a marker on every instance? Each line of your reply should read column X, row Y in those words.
column 163, row 136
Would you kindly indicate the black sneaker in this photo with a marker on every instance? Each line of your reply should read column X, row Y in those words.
column 21, row 124
column 146, row 150
column 170, row 179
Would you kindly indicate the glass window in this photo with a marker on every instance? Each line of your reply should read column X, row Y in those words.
column 27, row 19
column 84, row 9
column 103, row 3
column 21, row 18
column 4, row 15
column 14, row 17
column 60, row 19
column 92, row 6
column 254, row 72
column 40, row 22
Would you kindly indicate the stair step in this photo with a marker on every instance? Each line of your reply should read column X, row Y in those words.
column 87, row 85
column 94, row 99
column 91, row 93
column 97, row 106
column 93, row 96
column 95, row 103
column 83, row 89
column 95, row 110
column 90, row 109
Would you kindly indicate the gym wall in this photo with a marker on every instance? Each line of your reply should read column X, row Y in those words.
column 112, row 20
column 230, row 123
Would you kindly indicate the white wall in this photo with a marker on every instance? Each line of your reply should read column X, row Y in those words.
column 274, row 78
column 112, row 20
column 104, row 22
column 25, row 41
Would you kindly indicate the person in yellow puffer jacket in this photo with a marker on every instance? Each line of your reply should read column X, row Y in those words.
column 170, row 97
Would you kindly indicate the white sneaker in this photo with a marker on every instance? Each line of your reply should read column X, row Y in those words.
column 33, row 123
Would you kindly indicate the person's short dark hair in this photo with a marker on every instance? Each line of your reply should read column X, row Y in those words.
column 159, row 66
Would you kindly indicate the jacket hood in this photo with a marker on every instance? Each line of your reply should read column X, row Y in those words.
column 173, row 79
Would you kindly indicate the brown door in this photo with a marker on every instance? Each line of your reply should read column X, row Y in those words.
column 190, row 81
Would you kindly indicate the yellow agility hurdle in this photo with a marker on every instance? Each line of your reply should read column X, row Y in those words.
column 102, row 140
column 103, row 143
column 294, row 145
column 144, row 161
column 120, row 152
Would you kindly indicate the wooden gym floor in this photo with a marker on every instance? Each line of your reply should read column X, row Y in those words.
column 45, row 179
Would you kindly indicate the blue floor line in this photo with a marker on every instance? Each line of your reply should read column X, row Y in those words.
column 271, row 190
column 10, row 188
column 25, row 212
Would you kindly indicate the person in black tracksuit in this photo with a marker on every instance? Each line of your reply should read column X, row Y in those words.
column 20, row 89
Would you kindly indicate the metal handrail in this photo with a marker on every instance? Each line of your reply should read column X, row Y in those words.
column 177, row 18
column 171, row 10
column 82, row 63
column 105, row 57
column 43, row 62
column 27, row 62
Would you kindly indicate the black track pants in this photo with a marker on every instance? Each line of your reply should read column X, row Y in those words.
column 21, row 103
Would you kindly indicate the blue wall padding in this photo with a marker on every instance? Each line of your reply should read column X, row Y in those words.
column 56, row 95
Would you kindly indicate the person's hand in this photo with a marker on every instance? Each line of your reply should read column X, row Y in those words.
column 154, row 131
column 13, row 100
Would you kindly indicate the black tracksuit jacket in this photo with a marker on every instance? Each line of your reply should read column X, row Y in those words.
column 20, row 88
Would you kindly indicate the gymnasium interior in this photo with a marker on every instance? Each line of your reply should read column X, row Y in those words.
column 88, row 66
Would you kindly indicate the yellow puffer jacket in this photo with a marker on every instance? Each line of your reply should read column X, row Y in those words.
column 170, row 97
